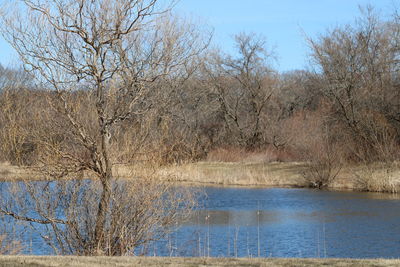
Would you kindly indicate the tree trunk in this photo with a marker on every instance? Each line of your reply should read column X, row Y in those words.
column 104, row 203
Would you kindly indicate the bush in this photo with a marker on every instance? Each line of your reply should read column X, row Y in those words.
column 378, row 177
column 64, row 212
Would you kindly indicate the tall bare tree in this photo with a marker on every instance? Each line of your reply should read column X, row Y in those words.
column 113, row 55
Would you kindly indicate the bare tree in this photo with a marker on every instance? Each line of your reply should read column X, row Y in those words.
column 243, row 87
column 113, row 55
column 358, row 74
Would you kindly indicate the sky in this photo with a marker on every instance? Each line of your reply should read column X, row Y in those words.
column 283, row 23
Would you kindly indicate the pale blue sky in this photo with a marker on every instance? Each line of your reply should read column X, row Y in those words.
column 280, row 21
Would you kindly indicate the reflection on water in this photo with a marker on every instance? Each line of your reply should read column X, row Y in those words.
column 289, row 223
column 243, row 222
column 257, row 217
column 232, row 217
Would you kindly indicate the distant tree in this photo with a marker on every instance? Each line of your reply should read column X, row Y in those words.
column 358, row 68
column 243, row 86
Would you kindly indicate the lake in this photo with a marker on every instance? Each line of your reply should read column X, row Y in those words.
column 274, row 222
column 248, row 222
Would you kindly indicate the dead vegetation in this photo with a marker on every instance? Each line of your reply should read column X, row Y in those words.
column 238, row 173
column 158, row 261
column 378, row 177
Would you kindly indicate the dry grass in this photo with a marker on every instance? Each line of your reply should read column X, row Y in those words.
column 378, row 177
column 268, row 154
column 375, row 178
column 239, row 173
column 211, row 173
column 11, row 261
column 256, row 173
column 11, row 172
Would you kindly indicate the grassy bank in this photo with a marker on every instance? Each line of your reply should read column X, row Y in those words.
column 200, row 173
column 10, row 172
column 239, row 173
column 207, row 173
column 377, row 177
column 11, row 261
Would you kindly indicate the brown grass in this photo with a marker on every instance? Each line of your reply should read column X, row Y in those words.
column 11, row 172
column 239, row 173
column 11, row 261
column 378, row 177
column 210, row 173
column 231, row 154
column 257, row 173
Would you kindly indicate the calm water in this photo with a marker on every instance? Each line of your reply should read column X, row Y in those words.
column 289, row 223
column 283, row 223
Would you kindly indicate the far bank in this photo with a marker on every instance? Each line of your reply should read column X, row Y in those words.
column 378, row 177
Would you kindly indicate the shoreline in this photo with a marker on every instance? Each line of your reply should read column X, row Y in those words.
column 83, row 261
column 223, row 174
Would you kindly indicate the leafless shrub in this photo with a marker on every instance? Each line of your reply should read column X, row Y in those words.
column 11, row 236
column 378, row 177
column 322, row 170
column 324, row 163
column 63, row 212
column 379, row 168
column 9, row 247
column 10, row 240
column 377, row 139
column 311, row 137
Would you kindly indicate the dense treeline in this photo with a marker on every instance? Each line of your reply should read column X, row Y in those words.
column 347, row 106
